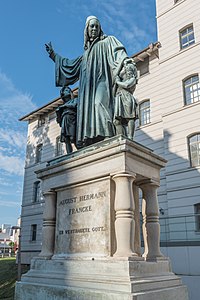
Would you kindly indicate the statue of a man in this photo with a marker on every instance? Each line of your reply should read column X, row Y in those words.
column 96, row 70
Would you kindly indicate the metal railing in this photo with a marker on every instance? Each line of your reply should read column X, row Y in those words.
column 179, row 230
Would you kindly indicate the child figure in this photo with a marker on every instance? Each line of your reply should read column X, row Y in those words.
column 126, row 106
column 67, row 118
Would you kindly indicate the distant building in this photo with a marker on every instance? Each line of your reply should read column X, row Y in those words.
column 5, row 240
column 9, row 238
column 5, row 228
column 169, row 104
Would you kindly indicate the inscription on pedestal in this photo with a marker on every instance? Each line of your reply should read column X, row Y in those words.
column 83, row 219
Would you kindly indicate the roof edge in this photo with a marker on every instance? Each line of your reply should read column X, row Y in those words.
column 148, row 51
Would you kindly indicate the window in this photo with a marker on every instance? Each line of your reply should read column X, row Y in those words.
column 33, row 232
column 187, row 37
column 38, row 153
column 36, row 191
column 144, row 112
column 51, row 116
column 59, row 147
column 197, row 216
column 143, row 67
column 41, row 121
column 194, row 149
column 191, row 89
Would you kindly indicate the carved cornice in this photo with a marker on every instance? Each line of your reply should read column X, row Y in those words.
column 151, row 49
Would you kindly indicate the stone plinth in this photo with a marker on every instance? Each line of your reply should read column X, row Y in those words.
column 112, row 278
column 91, row 228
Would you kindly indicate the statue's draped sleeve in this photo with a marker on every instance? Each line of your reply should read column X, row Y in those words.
column 116, row 54
column 67, row 71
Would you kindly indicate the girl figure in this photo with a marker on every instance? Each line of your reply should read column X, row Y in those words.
column 126, row 106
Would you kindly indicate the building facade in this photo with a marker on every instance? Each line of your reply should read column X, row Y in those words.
column 168, row 93
column 169, row 97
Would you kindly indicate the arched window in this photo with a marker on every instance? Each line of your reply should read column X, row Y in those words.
column 186, row 36
column 144, row 112
column 194, row 149
column 191, row 87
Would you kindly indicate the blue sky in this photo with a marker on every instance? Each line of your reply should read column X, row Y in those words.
column 27, row 73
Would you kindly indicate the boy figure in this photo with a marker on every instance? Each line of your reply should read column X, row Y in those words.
column 126, row 106
column 67, row 118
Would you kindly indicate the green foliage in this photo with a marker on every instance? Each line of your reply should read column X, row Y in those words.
column 8, row 277
column 11, row 244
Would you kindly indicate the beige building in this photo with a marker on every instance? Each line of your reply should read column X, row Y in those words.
column 169, row 100
column 169, row 96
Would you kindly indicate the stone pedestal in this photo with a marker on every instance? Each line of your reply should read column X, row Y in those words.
column 91, row 245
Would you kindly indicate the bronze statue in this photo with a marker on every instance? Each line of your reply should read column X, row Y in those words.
column 126, row 106
column 97, row 71
column 67, row 118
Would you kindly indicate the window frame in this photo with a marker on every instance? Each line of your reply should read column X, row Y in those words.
column 33, row 237
column 59, row 145
column 51, row 117
column 41, row 121
column 36, row 191
column 197, row 216
column 146, row 60
column 192, row 165
column 38, row 153
column 182, row 47
column 184, row 88
column 149, row 107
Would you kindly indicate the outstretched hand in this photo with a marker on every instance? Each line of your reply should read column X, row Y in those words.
column 49, row 48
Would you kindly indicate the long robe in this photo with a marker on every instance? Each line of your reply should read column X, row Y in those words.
column 96, row 71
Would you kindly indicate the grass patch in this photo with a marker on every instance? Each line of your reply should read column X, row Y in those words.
column 8, row 277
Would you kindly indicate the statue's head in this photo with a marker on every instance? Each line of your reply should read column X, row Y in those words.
column 92, row 30
column 130, row 68
column 66, row 93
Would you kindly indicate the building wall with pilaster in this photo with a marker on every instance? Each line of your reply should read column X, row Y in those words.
column 167, row 134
